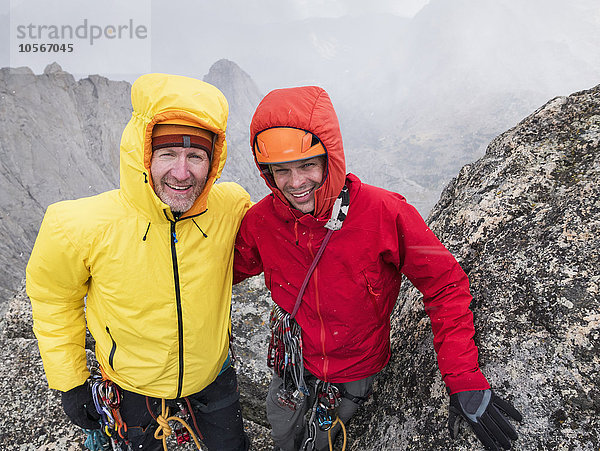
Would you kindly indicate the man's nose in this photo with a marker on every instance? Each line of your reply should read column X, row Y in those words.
column 297, row 179
column 180, row 168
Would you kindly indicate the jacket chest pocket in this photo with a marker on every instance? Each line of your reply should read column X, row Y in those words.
column 113, row 349
column 374, row 293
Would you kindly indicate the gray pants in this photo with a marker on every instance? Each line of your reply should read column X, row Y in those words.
column 289, row 426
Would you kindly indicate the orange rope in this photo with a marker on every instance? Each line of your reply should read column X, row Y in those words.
column 337, row 420
column 164, row 430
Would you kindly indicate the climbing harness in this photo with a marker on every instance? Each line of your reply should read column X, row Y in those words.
column 113, row 432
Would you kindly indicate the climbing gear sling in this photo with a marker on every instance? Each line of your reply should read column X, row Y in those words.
column 285, row 347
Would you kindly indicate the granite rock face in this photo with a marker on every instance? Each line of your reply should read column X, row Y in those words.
column 524, row 222
column 243, row 97
column 35, row 420
column 60, row 140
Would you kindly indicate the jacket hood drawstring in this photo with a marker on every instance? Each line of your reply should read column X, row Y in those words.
column 204, row 234
column 196, row 224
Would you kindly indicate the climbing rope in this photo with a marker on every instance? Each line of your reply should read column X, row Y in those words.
column 337, row 420
column 164, row 430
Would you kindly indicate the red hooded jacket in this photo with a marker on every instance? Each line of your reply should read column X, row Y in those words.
column 345, row 311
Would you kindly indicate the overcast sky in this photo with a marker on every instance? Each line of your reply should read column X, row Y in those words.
column 177, row 23
column 394, row 68
column 122, row 40
column 403, row 52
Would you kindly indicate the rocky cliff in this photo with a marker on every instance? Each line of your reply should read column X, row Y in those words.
column 243, row 96
column 60, row 140
column 524, row 221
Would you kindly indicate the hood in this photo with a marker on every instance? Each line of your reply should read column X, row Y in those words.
column 308, row 108
column 158, row 98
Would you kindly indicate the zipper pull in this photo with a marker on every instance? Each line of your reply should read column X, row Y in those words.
column 174, row 237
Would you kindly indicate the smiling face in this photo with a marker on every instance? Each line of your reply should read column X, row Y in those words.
column 298, row 181
column 179, row 175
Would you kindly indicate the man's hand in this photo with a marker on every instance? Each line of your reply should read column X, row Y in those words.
column 79, row 407
column 487, row 415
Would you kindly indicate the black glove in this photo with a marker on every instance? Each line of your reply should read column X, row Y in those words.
column 79, row 407
column 486, row 414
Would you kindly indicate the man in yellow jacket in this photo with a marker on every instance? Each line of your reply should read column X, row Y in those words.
column 148, row 268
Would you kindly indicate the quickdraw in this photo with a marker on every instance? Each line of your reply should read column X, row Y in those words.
column 328, row 400
column 96, row 441
column 107, row 400
column 285, row 348
column 285, row 357
column 324, row 414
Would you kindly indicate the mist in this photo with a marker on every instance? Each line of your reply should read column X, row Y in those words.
column 421, row 87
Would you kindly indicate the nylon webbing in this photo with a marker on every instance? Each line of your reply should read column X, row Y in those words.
column 309, row 273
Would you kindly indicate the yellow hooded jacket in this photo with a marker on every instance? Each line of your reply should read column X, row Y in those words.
column 158, row 289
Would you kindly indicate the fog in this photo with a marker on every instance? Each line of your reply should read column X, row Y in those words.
column 421, row 87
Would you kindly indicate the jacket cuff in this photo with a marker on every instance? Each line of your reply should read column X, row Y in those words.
column 474, row 380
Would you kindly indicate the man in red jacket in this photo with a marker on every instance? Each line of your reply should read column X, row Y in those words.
column 332, row 250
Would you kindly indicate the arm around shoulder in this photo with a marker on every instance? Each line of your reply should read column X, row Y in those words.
column 247, row 260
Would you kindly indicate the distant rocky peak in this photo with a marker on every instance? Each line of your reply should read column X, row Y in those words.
column 53, row 68
column 240, row 90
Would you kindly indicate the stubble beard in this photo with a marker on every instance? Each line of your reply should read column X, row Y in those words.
column 179, row 203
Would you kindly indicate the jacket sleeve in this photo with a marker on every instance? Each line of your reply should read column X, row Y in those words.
column 246, row 261
column 446, row 295
column 56, row 280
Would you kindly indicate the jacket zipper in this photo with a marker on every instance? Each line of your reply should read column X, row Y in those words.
column 179, row 312
column 113, row 349
column 315, row 282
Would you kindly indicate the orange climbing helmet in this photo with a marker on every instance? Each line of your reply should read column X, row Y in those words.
column 285, row 144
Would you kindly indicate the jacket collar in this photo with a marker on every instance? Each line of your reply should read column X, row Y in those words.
column 288, row 213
